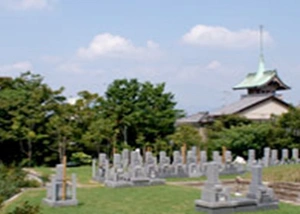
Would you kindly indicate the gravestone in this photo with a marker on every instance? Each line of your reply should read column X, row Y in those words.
column 203, row 157
column 179, row 169
column 135, row 159
column 150, row 165
column 216, row 200
column 274, row 157
column 263, row 195
column 117, row 161
column 55, row 194
column 101, row 171
column 191, row 158
column 284, row 156
column 125, row 159
column 295, row 155
column 164, row 165
column 214, row 197
column 194, row 151
column 216, row 157
column 192, row 167
column 228, row 156
column 266, row 158
column 251, row 157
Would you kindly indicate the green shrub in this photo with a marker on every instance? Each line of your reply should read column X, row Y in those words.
column 12, row 179
column 81, row 158
column 26, row 208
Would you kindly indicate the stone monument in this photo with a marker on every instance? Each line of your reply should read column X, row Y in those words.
column 59, row 191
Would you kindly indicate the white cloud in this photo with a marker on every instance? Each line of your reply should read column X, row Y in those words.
column 213, row 65
column 22, row 66
column 72, row 67
column 115, row 46
column 214, row 36
column 28, row 4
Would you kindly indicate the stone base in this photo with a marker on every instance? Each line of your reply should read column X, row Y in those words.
column 99, row 179
column 157, row 181
column 268, row 206
column 134, row 183
column 195, row 175
column 227, row 207
column 69, row 202
column 118, row 184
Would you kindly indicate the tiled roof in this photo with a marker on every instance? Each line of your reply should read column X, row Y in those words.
column 194, row 118
column 242, row 104
column 260, row 78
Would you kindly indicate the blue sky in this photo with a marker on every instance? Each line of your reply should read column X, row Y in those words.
column 201, row 49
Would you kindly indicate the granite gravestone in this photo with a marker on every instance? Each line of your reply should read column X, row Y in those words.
column 284, row 156
column 295, row 155
column 274, row 157
column 266, row 159
column 263, row 195
column 55, row 195
column 251, row 157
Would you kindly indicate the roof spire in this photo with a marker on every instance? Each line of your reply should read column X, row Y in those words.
column 261, row 66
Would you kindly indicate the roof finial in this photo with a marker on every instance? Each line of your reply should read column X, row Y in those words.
column 261, row 65
column 261, row 40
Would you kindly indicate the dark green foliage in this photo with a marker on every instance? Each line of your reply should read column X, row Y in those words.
column 38, row 126
column 139, row 112
column 186, row 134
column 241, row 136
column 11, row 180
column 81, row 158
column 26, row 208
column 290, row 124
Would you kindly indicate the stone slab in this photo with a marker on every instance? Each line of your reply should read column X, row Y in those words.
column 65, row 203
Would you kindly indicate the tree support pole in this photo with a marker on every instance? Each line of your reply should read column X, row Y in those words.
column 64, row 184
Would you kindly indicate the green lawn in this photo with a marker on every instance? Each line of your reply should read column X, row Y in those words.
column 142, row 200
column 286, row 173
column 83, row 173
column 202, row 178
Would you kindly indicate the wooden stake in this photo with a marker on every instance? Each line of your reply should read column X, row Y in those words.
column 183, row 151
column 223, row 154
column 198, row 154
column 64, row 184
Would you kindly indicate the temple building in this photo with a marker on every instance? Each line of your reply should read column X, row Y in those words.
column 259, row 103
column 261, row 100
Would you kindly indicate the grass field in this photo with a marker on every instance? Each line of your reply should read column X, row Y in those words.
column 285, row 173
column 288, row 173
column 83, row 173
column 143, row 200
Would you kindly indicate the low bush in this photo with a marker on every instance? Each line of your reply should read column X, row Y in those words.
column 26, row 208
column 81, row 158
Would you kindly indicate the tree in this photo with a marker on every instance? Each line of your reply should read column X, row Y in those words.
column 256, row 136
column 31, row 102
column 61, row 129
column 186, row 134
column 290, row 124
column 101, row 131
column 140, row 111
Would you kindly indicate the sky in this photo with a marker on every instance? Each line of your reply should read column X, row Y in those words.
column 200, row 49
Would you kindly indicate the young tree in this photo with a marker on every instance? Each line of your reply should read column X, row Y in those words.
column 186, row 134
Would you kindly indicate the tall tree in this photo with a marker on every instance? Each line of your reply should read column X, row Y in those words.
column 140, row 110
column 28, row 112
